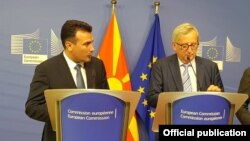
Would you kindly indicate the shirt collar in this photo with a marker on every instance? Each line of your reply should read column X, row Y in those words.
column 70, row 63
column 192, row 62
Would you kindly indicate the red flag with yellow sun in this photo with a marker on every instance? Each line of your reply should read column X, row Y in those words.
column 112, row 54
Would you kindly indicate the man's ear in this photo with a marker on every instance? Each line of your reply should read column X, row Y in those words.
column 68, row 45
column 174, row 46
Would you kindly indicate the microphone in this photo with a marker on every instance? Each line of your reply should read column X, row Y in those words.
column 197, row 80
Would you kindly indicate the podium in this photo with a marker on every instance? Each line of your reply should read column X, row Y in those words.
column 197, row 108
column 90, row 114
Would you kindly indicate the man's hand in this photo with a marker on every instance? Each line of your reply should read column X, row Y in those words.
column 213, row 88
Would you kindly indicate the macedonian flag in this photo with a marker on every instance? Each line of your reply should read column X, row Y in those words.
column 113, row 56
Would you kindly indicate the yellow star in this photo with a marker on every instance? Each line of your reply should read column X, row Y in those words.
column 145, row 102
column 141, row 89
column 143, row 76
column 152, row 114
column 150, row 65
column 154, row 59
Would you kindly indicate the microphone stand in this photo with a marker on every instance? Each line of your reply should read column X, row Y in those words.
column 197, row 80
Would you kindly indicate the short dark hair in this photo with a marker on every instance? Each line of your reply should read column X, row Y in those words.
column 70, row 27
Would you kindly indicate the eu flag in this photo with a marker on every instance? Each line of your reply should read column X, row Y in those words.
column 213, row 52
column 35, row 46
column 153, row 50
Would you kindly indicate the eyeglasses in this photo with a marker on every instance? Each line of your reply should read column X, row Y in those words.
column 193, row 46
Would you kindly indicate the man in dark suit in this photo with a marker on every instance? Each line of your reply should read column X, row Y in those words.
column 168, row 73
column 243, row 113
column 59, row 72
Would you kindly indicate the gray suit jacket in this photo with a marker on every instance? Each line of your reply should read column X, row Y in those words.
column 165, row 77
column 54, row 73
column 243, row 113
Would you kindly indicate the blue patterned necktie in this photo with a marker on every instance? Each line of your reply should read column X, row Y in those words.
column 79, row 79
column 186, row 81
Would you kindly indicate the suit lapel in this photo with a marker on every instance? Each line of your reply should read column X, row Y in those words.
column 200, row 72
column 175, row 71
column 90, row 74
column 65, row 72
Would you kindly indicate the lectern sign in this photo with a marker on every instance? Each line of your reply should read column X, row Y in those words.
column 201, row 109
column 92, row 116
column 197, row 108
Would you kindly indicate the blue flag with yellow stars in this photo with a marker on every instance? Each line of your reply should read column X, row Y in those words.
column 153, row 50
column 35, row 46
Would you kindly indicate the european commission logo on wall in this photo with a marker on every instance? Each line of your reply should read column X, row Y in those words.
column 33, row 49
column 218, row 54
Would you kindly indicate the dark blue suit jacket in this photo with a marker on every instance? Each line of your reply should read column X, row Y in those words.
column 54, row 73
column 165, row 77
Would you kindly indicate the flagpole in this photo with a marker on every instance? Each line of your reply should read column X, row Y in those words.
column 113, row 2
column 157, row 5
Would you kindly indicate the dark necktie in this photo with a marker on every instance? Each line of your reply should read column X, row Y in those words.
column 79, row 78
column 186, row 81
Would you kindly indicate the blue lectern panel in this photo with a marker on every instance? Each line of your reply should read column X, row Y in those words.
column 92, row 117
column 201, row 109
